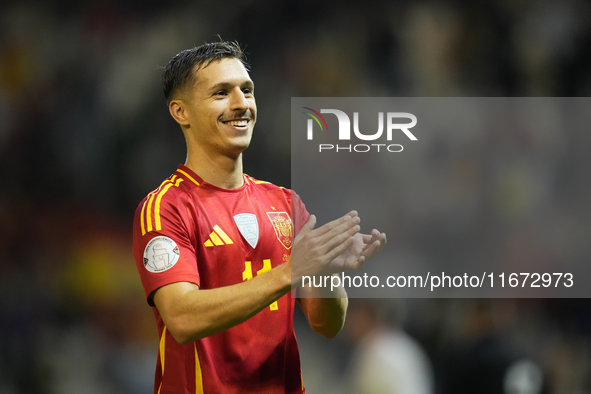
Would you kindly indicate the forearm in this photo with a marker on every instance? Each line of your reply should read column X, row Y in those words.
column 324, row 308
column 191, row 313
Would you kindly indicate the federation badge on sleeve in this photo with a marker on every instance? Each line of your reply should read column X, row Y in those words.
column 282, row 225
column 160, row 254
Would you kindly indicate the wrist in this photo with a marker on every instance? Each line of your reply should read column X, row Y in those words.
column 285, row 276
column 322, row 286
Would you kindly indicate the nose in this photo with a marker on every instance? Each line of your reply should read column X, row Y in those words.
column 238, row 101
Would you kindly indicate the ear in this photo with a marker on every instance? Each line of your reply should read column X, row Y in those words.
column 178, row 111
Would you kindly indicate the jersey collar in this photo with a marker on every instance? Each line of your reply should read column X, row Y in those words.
column 193, row 179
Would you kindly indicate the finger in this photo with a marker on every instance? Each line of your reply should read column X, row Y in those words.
column 377, row 236
column 360, row 263
column 306, row 228
column 337, row 245
column 349, row 227
column 383, row 242
column 353, row 213
column 372, row 236
column 378, row 241
column 367, row 238
column 335, row 223
column 370, row 249
column 338, row 249
column 309, row 226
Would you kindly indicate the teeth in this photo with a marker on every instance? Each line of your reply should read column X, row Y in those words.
column 237, row 122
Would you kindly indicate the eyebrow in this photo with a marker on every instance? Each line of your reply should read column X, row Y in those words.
column 224, row 85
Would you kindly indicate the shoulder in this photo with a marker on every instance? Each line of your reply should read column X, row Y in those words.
column 169, row 192
column 268, row 186
column 163, row 203
column 264, row 185
column 173, row 189
column 298, row 209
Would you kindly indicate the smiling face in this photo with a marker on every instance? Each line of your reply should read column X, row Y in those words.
column 218, row 111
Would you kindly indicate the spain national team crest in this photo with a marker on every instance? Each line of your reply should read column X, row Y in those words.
column 282, row 225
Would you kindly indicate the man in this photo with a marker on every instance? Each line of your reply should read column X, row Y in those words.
column 213, row 246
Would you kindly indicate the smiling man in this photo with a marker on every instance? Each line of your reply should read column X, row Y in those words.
column 215, row 248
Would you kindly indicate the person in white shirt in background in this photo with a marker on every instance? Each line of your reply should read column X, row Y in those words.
column 385, row 360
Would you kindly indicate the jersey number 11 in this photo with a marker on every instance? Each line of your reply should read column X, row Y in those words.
column 247, row 275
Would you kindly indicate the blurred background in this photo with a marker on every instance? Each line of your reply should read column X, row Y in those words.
column 85, row 135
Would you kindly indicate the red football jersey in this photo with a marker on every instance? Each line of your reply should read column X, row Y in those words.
column 191, row 231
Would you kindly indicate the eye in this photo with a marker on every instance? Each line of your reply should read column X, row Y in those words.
column 247, row 91
column 221, row 93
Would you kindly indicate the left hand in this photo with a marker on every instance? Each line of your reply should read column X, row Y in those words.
column 363, row 247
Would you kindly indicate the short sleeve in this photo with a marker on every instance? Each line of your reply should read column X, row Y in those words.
column 299, row 213
column 162, row 243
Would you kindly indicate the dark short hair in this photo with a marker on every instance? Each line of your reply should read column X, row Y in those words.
column 180, row 70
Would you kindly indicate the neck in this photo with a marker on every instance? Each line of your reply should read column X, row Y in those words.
column 221, row 171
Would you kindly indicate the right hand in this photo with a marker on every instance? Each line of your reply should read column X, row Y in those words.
column 315, row 249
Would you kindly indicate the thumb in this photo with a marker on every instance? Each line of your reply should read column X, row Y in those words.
column 309, row 226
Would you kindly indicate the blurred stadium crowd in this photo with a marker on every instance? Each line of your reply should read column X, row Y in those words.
column 85, row 134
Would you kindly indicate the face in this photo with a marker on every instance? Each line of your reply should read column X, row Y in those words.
column 220, row 108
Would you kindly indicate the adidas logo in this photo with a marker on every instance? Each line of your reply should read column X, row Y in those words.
column 218, row 237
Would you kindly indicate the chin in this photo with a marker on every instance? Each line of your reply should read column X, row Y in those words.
column 236, row 150
column 242, row 142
